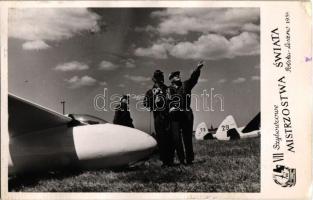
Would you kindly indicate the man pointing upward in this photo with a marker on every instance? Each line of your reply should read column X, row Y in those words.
column 181, row 115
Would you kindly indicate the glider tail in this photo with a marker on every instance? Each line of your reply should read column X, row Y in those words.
column 201, row 131
column 227, row 124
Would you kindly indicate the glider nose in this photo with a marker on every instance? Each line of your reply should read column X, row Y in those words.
column 109, row 145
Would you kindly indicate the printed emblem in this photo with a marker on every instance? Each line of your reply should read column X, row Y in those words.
column 284, row 176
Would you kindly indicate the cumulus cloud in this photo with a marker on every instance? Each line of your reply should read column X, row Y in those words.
column 251, row 28
column 157, row 51
column 71, row 66
column 107, row 65
column 212, row 47
column 224, row 33
column 255, row 78
column 78, row 82
column 130, row 63
column 221, row 81
column 225, row 21
column 245, row 44
column 207, row 47
column 35, row 45
column 50, row 24
column 137, row 78
column 239, row 80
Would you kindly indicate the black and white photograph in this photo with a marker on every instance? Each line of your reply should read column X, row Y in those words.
column 129, row 99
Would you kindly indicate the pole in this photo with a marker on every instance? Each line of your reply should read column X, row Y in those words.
column 150, row 124
column 63, row 107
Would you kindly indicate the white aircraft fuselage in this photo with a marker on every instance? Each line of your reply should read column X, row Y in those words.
column 41, row 139
column 86, row 147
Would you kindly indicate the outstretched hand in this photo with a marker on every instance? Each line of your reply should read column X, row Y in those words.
column 200, row 64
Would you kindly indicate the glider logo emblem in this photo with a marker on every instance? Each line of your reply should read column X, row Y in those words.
column 284, row 176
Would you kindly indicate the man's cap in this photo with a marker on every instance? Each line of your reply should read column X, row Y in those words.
column 172, row 74
column 157, row 75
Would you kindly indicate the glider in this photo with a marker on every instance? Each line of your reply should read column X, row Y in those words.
column 41, row 139
column 203, row 133
column 228, row 129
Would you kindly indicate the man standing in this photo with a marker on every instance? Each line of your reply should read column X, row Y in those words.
column 155, row 100
column 122, row 114
column 181, row 115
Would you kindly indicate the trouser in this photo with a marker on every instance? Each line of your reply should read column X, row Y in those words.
column 182, row 126
column 163, row 137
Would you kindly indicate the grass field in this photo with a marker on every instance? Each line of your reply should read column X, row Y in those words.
column 220, row 166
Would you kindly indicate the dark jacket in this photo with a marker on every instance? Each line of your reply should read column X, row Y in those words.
column 155, row 100
column 122, row 117
column 180, row 96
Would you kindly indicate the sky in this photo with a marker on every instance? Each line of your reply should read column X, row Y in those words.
column 73, row 54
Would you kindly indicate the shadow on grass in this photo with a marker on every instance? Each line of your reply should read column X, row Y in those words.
column 20, row 181
column 31, row 179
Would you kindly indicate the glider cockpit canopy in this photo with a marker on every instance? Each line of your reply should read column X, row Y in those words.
column 84, row 119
